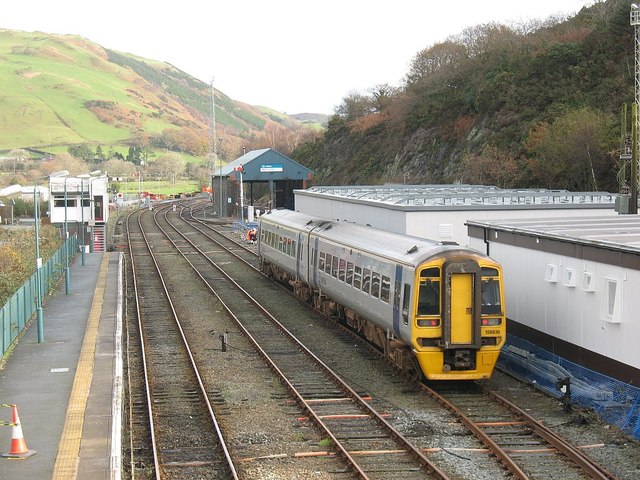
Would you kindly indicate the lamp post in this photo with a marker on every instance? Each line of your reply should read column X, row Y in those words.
column 36, row 217
column 67, row 286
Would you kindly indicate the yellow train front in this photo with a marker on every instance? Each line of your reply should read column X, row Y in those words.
column 458, row 319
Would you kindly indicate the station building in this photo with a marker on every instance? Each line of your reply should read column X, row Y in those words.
column 439, row 212
column 267, row 176
column 82, row 203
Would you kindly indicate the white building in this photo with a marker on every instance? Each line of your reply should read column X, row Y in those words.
column 571, row 286
column 439, row 212
column 82, row 203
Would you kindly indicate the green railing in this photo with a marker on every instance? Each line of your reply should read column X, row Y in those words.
column 22, row 305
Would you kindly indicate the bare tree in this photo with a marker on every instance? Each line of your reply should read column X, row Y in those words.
column 19, row 155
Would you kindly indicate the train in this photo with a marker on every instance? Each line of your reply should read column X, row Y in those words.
column 435, row 309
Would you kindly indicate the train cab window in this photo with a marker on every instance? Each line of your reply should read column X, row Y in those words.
column 349, row 278
column 375, row 284
column 327, row 265
column 366, row 280
column 321, row 262
column 386, row 289
column 357, row 277
column 341, row 269
column 334, row 267
column 429, row 293
column 490, row 291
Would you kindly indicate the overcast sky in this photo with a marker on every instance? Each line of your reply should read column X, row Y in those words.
column 291, row 55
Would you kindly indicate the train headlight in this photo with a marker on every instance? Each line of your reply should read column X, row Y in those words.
column 429, row 322
column 491, row 322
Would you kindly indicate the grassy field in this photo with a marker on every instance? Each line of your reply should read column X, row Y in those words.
column 165, row 187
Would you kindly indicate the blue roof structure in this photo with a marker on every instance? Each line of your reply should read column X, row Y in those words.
column 265, row 165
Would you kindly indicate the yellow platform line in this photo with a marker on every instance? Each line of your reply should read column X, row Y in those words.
column 66, row 466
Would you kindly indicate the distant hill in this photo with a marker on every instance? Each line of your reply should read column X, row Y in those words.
column 58, row 90
column 534, row 105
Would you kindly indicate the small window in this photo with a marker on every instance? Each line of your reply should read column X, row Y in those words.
column 587, row 283
column 569, row 278
column 405, row 303
column 386, row 288
column 357, row 277
column 327, row 265
column 375, row 284
column 334, row 267
column 445, row 230
column 551, row 273
column 321, row 262
column 366, row 280
column 349, row 278
column 342, row 269
column 613, row 301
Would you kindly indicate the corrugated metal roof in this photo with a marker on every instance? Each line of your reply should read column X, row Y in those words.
column 612, row 232
column 463, row 196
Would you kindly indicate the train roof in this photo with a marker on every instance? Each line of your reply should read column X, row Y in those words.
column 400, row 248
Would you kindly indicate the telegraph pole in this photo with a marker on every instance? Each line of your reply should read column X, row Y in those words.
column 635, row 22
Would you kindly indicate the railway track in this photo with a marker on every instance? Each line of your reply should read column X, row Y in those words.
column 366, row 442
column 184, row 435
column 526, row 447
column 534, row 457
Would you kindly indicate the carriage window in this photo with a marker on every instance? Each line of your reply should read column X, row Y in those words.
column 334, row 267
column 375, row 284
column 405, row 303
column 349, row 273
column 386, row 287
column 366, row 280
column 327, row 266
column 429, row 293
column 357, row 277
column 341, row 269
column 490, row 291
column 321, row 261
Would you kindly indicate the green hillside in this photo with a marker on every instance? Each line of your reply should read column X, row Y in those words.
column 59, row 90
column 533, row 105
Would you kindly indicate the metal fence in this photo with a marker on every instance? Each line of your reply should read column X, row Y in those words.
column 15, row 314
column 617, row 403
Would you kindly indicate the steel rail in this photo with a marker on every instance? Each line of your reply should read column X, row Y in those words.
column 203, row 392
column 417, row 454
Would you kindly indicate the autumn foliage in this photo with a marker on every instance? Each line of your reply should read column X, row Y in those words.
column 17, row 251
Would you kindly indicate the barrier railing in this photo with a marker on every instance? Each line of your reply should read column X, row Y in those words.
column 15, row 314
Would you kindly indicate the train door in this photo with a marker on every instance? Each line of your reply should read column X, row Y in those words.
column 462, row 306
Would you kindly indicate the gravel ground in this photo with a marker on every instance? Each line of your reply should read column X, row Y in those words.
column 250, row 404
column 259, row 421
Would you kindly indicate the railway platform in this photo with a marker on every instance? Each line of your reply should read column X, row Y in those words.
column 68, row 389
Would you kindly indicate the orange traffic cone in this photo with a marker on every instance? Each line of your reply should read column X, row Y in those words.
column 18, row 445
